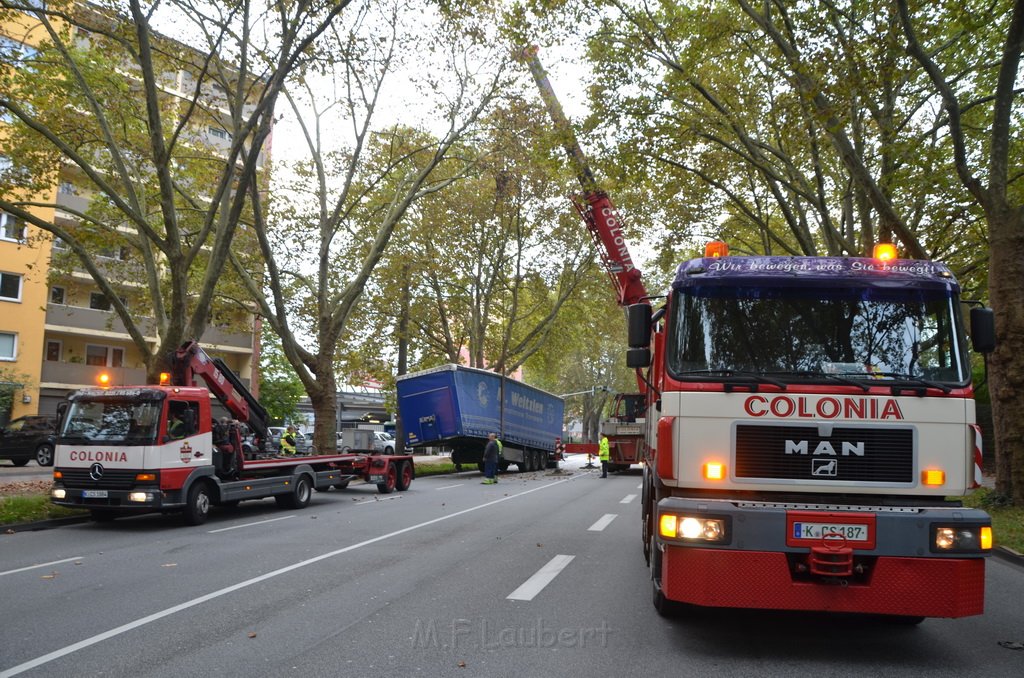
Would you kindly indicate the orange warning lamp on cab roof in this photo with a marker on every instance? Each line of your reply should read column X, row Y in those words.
column 165, row 378
column 716, row 248
column 885, row 251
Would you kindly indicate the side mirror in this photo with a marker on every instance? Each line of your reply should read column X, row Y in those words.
column 639, row 325
column 638, row 358
column 983, row 330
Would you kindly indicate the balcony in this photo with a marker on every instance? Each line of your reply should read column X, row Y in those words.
column 77, row 374
column 80, row 320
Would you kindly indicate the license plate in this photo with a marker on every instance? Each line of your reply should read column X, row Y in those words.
column 94, row 494
column 859, row 533
column 376, row 479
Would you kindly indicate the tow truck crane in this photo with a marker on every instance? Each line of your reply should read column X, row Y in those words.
column 625, row 427
column 138, row 449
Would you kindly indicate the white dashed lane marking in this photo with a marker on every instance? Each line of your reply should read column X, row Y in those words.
column 604, row 522
column 544, row 576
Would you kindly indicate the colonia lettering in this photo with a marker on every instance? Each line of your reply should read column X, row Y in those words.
column 823, row 408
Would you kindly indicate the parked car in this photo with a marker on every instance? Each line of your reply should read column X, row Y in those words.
column 383, row 442
column 27, row 438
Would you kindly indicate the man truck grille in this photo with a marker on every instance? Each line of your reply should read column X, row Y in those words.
column 852, row 454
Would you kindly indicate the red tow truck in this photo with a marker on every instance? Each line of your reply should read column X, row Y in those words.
column 137, row 449
column 810, row 422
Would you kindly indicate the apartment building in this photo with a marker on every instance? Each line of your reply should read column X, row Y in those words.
column 58, row 331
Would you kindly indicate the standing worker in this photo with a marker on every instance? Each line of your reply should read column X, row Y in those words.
column 491, row 459
column 288, row 442
column 604, row 454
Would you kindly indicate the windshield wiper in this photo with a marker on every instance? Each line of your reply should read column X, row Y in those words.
column 899, row 376
column 825, row 375
column 738, row 374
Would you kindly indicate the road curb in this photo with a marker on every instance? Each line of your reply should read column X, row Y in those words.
column 1008, row 555
column 44, row 524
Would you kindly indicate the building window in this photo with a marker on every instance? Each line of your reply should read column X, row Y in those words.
column 67, row 188
column 8, row 346
column 219, row 133
column 57, row 295
column 99, row 301
column 54, row 349
column 104, row 356
column 10, row 287
column 10, row 228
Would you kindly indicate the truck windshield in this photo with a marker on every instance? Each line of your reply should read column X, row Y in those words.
column 816, row 333
column 111, row 421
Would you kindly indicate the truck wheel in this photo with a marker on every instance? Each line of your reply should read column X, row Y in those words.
column 197, row 505
column 44, row 454
column 19, row 462
column 404, row 479
column 299, row 497
column 341, row 486
column 390, row 480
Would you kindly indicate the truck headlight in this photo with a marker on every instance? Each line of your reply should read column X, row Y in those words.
column 58, row 493
column 692, row 528
column 140, row 497
column 961, row 538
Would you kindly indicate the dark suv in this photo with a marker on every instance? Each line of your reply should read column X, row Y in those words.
column 28, row 438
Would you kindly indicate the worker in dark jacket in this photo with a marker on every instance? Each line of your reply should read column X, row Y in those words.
column 491, row 459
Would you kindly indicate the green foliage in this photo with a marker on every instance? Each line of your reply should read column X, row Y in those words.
column 1007, row 520
column 16, row 509
column 280, row 388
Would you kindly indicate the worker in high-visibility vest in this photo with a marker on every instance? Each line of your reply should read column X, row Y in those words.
column 604, row 454
column 288, row 442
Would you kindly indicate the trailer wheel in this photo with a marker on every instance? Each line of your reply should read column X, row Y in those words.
column 404, row 474
column 390, row 480
column 300, row 495
column 197, row 505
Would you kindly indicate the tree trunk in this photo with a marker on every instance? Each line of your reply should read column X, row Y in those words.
column 324, row 400
column 1006, row 367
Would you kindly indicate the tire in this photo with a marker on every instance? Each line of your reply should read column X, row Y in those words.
column 197, row 505
column 299, row 497
column 389, row 450
column 390, row 480
column 19, row 462
column 665, row 607
column 341, row 486
column 44, row 454
column 102, row 515
column 405, row 474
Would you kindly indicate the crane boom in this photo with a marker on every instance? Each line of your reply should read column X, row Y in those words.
column 598, row 212
column 190, row 361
